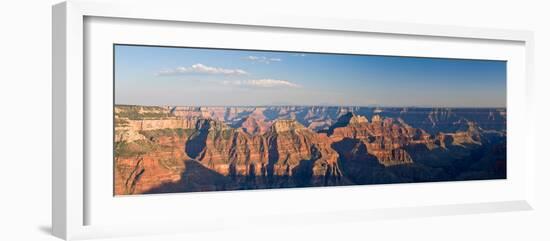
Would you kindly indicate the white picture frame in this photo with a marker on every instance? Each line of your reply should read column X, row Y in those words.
column 72, row 191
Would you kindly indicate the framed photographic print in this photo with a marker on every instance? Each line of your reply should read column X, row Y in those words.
column 202, row 122
column 331, row 120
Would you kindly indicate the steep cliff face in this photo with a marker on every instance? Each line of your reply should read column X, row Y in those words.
column 185, row 149
column 144, row 125
column 350, row 126
column 279, row 152
column 228, row 151
column 382, row 138
column 253, row 126
column 147, row 163
column 297, row 150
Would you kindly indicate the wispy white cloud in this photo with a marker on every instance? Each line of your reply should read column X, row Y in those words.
column 201, row 69
column 262, row 83
column 262, row 59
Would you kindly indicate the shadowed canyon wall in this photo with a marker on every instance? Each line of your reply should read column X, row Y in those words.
column 188, row 149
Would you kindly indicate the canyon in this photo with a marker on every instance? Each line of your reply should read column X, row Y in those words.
column 167, row 149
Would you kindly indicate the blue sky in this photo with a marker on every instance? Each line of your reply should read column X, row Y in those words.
column 150, row 75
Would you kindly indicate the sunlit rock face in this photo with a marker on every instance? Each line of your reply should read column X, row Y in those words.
column 188, row 149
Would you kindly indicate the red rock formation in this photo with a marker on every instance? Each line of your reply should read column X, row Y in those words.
column 277, row 152
column 173, row 123
column 383, row 138
column 255, row 126
column 230, row 148
column 471, row 136
column 148, row 163
column 292, row 143
column 228, row 151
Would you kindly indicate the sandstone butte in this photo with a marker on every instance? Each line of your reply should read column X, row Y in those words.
column 192, row 149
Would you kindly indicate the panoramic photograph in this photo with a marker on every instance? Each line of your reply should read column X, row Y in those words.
column 204, row 119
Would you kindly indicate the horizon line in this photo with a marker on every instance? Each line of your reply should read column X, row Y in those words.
column 294, row 105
